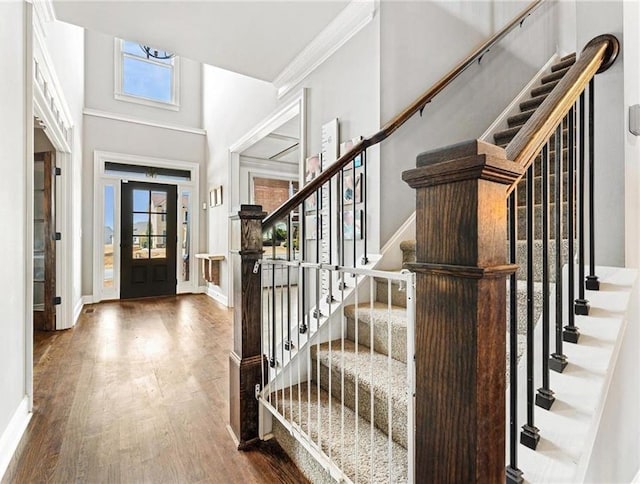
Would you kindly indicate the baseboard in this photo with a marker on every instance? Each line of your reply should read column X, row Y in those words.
column 87, row 299
column 10, row 439
column 78, row 309
column 216, row 295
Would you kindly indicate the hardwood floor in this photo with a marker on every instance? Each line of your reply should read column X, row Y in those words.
column 138, row 392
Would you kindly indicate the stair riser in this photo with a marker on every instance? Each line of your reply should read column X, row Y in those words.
column 554, row 76
column 380, row 337
column 380, row 402
column 537, row 189
column 521, row 259
column 537, row 222
column 532, row 103
column 563, row 64
column 544, row 89
column 398, row 297
column 408, row 248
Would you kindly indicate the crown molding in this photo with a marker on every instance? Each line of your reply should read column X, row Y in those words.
column 348, row 23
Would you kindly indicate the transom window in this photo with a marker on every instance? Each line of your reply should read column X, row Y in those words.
column 146, row 75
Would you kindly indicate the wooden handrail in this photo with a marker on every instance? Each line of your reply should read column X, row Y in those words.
column 597, row 56
column 391, row 126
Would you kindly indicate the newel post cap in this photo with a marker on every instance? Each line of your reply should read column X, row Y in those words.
column 474, row 159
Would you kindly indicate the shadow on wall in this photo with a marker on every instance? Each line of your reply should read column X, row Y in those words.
column 421, row 42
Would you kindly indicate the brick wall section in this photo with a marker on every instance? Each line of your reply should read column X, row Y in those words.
column 271, row 193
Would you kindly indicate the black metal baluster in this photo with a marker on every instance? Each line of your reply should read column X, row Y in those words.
column 272, row 361
column 302, row 315
column 529, row 435
column 316, row 311
column 288, row 344
column 558, row 361
column 329, row 223
column 363, row 222
column 545, row 397
column 514, row 475
column 592, row 282
column 571, row 333
column 353, row 208
column 341, row 285
column 582, row 305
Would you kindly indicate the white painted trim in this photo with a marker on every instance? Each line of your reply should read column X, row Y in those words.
column 514, row 106
column 44, row 9
column 119, row 95
column 296, row 106
column 348, row 23
column 77, row 309
column 10, row 438
column 132, row 119
column 216, row 295
column 100, row 179
column 88, row 299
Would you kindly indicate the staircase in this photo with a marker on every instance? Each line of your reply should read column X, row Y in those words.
column 358, row 372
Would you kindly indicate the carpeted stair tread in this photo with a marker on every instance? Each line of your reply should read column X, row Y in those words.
column 362, row 453
column 380, row 317
column 544, row 89
column 520, row 119
column 362, row 372
column 398, row 291
column 563, row 64
column 533, row 102
column 554, row 76
column 569, row 56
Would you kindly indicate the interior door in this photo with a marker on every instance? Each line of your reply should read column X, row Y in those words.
column 148, row 240
column 44, row 241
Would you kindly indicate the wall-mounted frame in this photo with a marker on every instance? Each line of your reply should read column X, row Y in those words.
column 215, row 196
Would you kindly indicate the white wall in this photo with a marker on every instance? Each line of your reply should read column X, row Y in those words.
column 420, row 42
column 156, row 139
column 65, row 45
column 631, row 56
column 15, row 124
column 100, row 84
column 232, row 105
column 595, row 18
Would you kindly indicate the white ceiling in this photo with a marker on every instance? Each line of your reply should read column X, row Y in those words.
column 255, row 38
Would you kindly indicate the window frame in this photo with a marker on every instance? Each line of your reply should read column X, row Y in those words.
column 120, row 95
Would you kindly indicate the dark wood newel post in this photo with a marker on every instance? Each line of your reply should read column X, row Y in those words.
column 461, row 271
column 245, row 361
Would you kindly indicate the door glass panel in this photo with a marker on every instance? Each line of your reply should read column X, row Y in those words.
column 158, row 247
column 109, row 211
column 38, row 236
column 38, row 175
column 158, row 224
column 38, row 295
column 38, row 267
column 140, row 200
column 140, row 224
column 140, row 247
column 158, row 202
column 38, row 205
column 184, row 235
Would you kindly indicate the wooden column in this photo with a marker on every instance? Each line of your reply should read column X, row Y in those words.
column 461, row 270
column 245, row 361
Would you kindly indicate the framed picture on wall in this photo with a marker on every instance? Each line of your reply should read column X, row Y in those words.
column 351, row 187
column 312, row 169
column 352, row 224
column 215, row 196
column 347, row 145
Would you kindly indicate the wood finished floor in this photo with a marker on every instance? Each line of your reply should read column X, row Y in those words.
column 138, row 392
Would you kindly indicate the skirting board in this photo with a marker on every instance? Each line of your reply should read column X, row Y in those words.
column 11, row 437
column 216, row 295
column 77, row 310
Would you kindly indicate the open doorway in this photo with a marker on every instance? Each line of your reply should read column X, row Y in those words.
column 266, row 167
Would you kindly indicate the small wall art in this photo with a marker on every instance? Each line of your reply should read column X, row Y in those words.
column 347, row 145
column 313, row 167
column 352, row 188
column 352, row 224
column 215, row 196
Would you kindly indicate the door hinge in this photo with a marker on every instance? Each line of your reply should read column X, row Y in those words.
column 57, row 301
column 57, row 171
column 57, row 236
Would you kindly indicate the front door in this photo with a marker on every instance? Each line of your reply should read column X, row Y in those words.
column 148, row 240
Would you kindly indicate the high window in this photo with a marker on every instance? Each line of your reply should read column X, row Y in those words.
column 146, row 75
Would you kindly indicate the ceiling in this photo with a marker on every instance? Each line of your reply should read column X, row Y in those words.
column 282, row 145
column 255, row 38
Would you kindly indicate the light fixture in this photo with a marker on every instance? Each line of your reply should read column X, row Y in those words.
column 155, row 53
